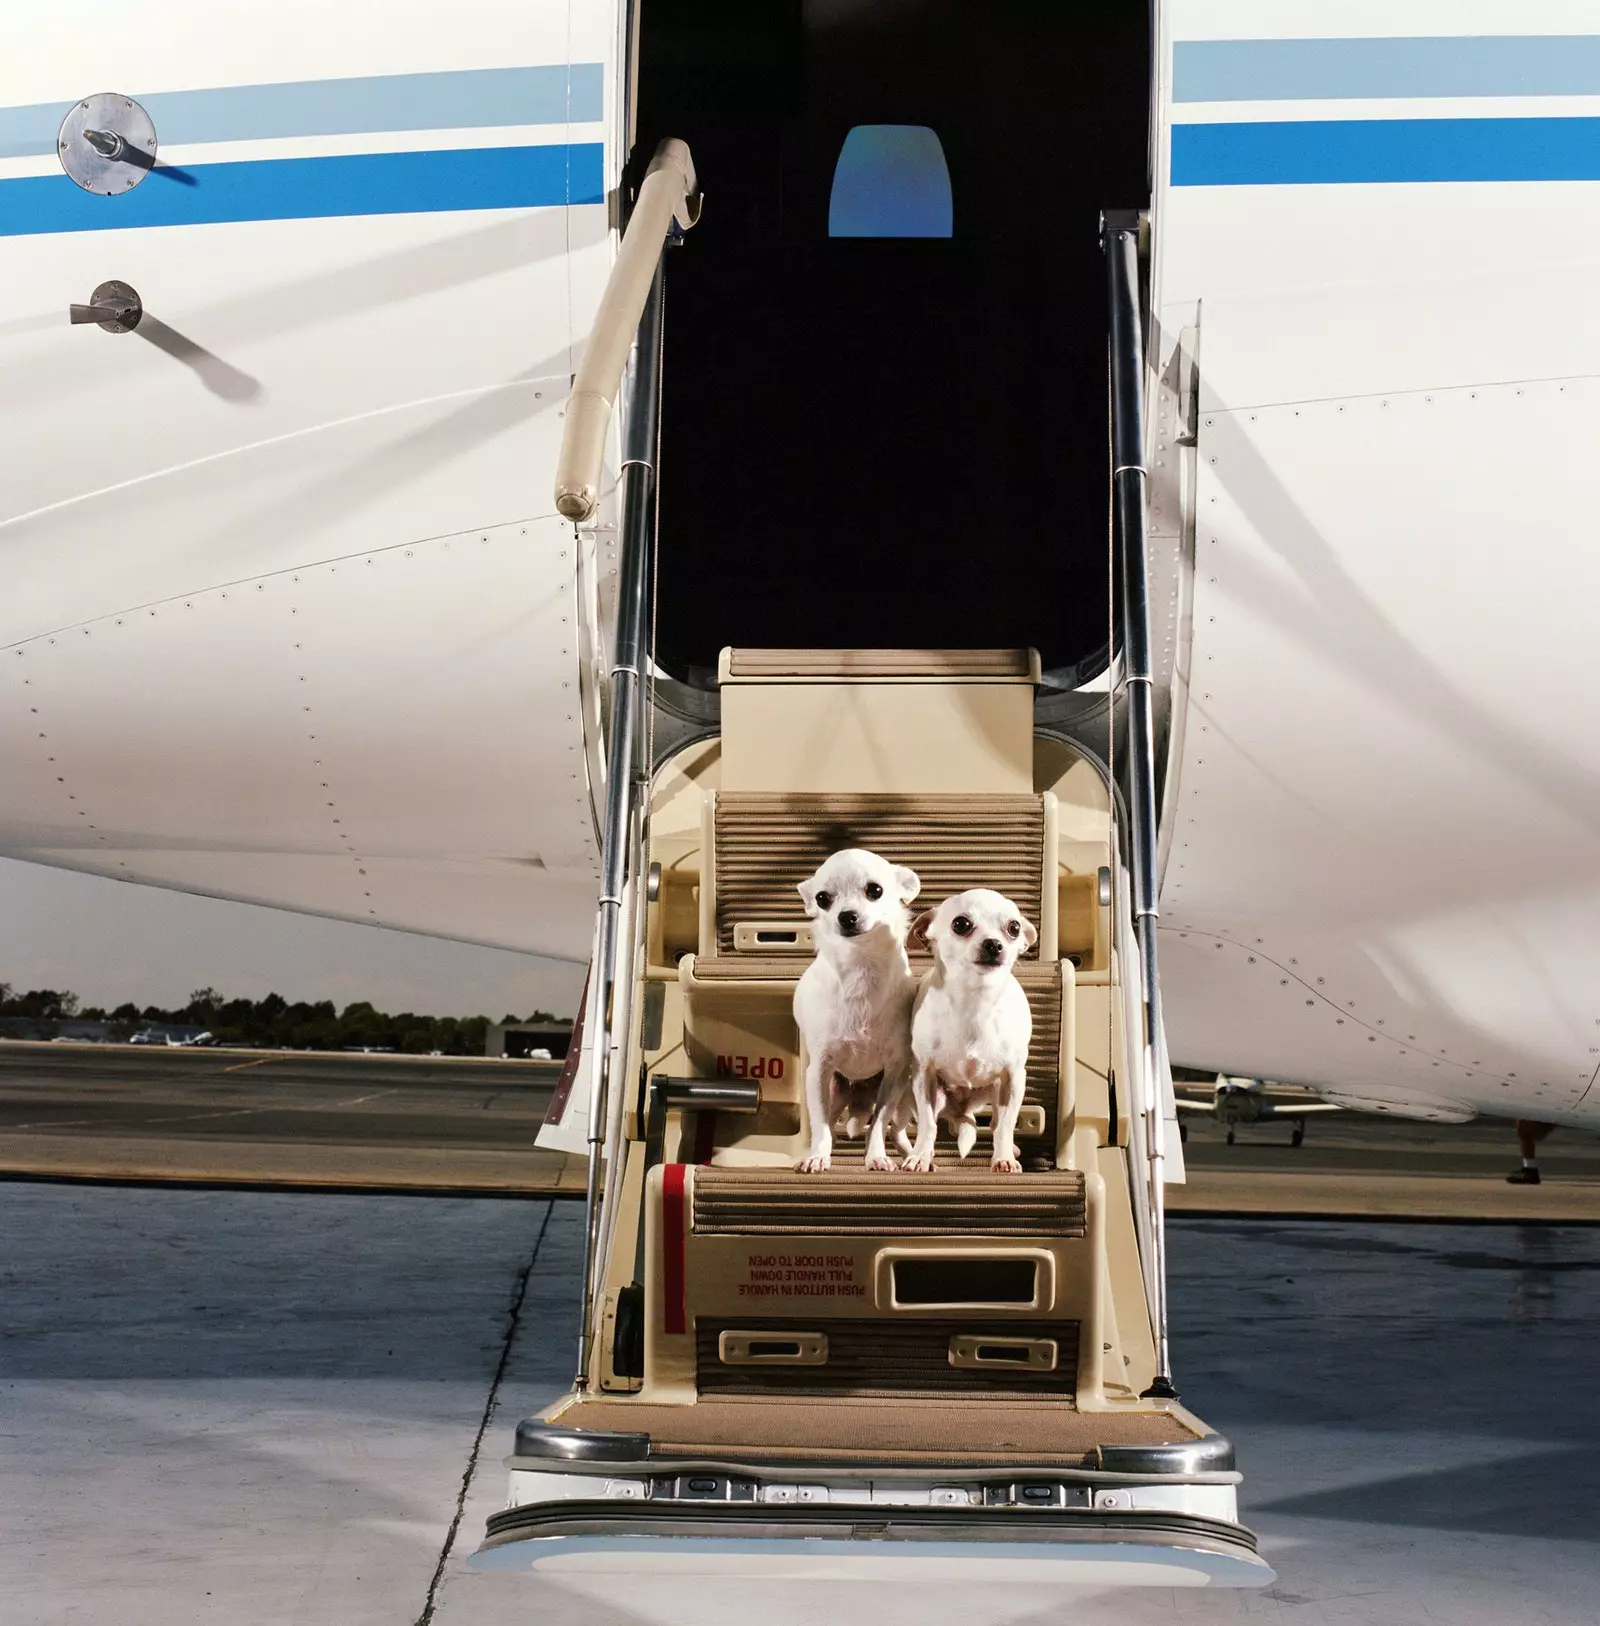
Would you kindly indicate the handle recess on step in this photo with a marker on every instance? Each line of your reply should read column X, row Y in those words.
column 772, row 1348
column 1015, row 1354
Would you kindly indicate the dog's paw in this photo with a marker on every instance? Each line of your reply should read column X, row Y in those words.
column 880, row 1165
column 812, row 1165
column 1006, row 1165
column 918, row 1165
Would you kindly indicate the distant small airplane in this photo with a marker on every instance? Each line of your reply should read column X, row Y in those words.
column 1234, row 1101
column 173, row 1041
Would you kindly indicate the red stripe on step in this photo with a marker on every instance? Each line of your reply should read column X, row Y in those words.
column 672, row 1228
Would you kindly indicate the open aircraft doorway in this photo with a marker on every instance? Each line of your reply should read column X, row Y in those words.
column 910, row 428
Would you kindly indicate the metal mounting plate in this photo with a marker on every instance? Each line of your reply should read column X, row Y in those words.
column 92, row 169
column 122, row 305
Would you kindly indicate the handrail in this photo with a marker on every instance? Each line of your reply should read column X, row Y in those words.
column 1135, row 1071
column 626, row 775
column 1120, row 238
column 666, row 195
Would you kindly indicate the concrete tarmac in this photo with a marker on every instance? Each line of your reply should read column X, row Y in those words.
column 261, row 1409
column 467, row 1125
column 384, row 1122
column 1365, row 1166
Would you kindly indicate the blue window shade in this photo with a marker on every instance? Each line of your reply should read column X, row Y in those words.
column 891, row 181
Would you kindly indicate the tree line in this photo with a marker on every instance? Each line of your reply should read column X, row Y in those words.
column 272, row 1023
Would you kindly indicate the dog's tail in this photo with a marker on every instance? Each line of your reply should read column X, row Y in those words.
column 966, row 1135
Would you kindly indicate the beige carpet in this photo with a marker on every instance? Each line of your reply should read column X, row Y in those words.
column 901, row 1433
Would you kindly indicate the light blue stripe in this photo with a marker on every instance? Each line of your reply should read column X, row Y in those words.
column 1341, row 69
column 1331, row 152
column 470, row 99
column 374, row 183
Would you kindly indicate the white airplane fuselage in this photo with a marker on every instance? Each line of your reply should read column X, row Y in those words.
column 1379, row 393
column 301, row 516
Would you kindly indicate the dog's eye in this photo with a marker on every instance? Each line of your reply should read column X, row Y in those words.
column 1014, row 929
column 824, row 900
column 874, row 891
column 961, row 926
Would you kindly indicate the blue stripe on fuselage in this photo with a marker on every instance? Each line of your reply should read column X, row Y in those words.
column 1324, row 152
column 465, row 99
column 1290, row 70
column 376, row 183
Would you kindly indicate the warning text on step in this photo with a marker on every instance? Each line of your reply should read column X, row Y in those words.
column 801, row 1276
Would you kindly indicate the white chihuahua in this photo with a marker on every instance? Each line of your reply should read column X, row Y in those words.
column 971, row 1025
column 853, row 1005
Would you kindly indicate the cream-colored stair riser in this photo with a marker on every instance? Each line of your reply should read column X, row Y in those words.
column 874, row 1267
column 764, row 846
column 901, row 1358
column 908, row 721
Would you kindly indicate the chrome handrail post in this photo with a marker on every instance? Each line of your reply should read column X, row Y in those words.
column 635, row 595
column 628, row 322
column 1135, row 1070
column 1129, row 499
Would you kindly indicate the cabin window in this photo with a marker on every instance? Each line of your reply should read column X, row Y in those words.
column 891, row 180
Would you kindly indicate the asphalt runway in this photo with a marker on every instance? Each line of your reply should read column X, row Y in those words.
column 379, row 1122
column 467, row 1125
column 1359, row 1165
column 260, row 1408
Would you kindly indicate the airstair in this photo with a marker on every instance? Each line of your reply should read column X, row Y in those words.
column 848, row 1373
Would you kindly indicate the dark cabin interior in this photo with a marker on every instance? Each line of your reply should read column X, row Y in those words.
column 890, row 441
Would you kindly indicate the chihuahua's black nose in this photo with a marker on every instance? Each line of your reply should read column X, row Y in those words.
column 849, row 920
column 991, row 951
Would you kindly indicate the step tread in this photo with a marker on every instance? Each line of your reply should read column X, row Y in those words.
column 1047, row 1432
column 948, row 1202
column 866, row 664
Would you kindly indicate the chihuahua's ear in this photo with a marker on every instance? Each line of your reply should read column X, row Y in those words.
column 1030, row 933
column 808, row 895
column 918, row 933
column 909, row 883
